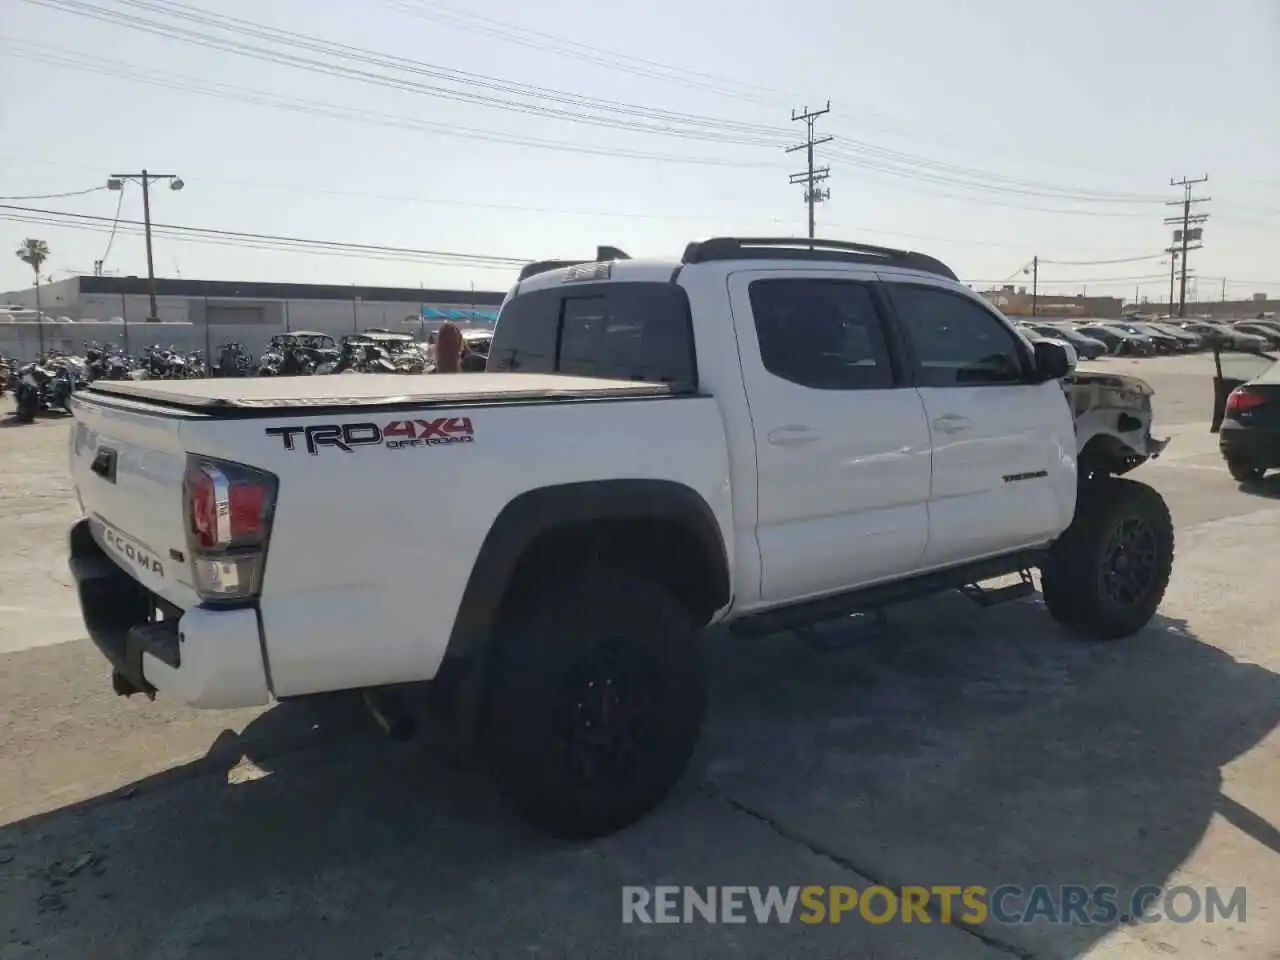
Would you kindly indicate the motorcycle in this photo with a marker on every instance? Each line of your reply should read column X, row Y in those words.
column 166, row 364
column 106, row 363
column 48, row 384
column 195, row 367
column 233, row 361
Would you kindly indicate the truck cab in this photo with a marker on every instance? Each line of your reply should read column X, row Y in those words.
column 765, row 432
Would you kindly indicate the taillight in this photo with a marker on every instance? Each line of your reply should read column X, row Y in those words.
column 1242, row 398
column 228, row 509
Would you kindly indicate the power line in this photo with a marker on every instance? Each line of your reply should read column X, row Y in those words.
column 585, row 53
column 811, row 176
column 661, row 122
column 1076, row 280
column 182, row 231
column 593, row 53
column 115, row 224
column 55, row 196
column 168, row 81
column 556, row 106
column 1099, row 263
column 103, row 66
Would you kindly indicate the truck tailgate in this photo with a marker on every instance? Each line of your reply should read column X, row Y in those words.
column 128, row 469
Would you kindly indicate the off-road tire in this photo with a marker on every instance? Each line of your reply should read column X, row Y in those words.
column 1244, row 472
column 542, row 662
column 1074, row 574
column 28, row 405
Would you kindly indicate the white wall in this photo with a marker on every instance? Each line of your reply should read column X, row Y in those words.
column 57, row 299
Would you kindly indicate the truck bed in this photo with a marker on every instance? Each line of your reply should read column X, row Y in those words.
column 273, row 395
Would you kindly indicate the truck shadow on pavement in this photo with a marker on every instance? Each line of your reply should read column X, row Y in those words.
column 956, row 747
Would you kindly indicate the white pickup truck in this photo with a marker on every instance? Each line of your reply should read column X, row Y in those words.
column 768, row 433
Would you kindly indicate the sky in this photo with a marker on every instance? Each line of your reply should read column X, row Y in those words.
column 407, row 132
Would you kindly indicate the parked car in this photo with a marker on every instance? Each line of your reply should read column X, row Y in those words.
column 1119, row 342
column 1247, row 411
column 1188, row 340
column 1273, row 325
column 1269, row 333
column 1167, row 341
column 1087, row 348
column 737, row 435
column 1219, row 335
column 1161, row 343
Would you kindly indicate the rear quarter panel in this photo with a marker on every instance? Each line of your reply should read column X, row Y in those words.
column 371, row 548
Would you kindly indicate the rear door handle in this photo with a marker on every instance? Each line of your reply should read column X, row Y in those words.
column 793, row 435
column 952, row 423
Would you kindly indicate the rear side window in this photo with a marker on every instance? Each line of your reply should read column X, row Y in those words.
column 618, row 330
column 821, row 334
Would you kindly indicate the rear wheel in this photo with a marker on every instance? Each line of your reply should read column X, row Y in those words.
column 596, row 704
column 28, row 404
column 1244, row 472
column 1106, row 575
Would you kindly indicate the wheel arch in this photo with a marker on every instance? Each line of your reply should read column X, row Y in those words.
column 532, row 517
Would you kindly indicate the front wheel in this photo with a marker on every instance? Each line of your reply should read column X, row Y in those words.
column 596, row 704
column 1105, row 576
column 1244, row 472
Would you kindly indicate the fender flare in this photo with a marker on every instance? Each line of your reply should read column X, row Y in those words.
column 530, row 515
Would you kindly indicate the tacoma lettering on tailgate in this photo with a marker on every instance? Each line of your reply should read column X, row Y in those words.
column 395, row 435
column 130, row 549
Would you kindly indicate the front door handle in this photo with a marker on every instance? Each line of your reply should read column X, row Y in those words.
column 952, row 423
column 793, row 435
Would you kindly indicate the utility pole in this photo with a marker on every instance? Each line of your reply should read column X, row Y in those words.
column 1034, row 270
column 811, row 177
column 1184, row 236
column 1224, row 289
column 116, row 182
column 1173, row 267
column 1035, row 283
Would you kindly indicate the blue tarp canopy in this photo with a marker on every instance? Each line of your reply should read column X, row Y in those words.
column 436, row 313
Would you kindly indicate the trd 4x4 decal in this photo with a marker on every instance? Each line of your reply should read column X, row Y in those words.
column 396, row 434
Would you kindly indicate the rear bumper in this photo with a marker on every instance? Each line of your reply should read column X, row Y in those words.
column 1258, row 448
column 205, row 658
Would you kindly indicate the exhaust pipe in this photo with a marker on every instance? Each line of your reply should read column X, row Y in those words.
column 389, row 710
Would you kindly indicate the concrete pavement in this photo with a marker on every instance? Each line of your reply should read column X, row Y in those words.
column 961, row 746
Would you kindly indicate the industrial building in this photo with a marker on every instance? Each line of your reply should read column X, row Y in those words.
column 195, row 314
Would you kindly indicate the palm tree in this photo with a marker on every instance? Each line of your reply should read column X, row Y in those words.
column 34, row 253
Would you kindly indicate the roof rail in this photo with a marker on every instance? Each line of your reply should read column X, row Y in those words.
column 603, row 254
column 803, row 248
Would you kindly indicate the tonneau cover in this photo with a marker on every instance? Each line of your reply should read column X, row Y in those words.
column 361, row 390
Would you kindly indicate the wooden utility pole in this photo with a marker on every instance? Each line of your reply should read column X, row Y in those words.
column 811, row 176
column 1190, row 231
column 1035, row 283
column 116, row 182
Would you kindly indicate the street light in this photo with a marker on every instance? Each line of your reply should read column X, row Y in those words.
column 116, row 182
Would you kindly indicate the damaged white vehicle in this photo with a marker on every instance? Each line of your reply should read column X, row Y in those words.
column 1113, row 415
column 762, row 433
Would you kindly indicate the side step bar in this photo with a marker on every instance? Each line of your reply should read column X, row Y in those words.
column 800, row 615
column 993, row 596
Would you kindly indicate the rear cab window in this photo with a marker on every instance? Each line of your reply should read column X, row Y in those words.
column 619, row 330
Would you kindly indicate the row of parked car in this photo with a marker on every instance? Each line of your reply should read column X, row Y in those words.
column 1142, row 337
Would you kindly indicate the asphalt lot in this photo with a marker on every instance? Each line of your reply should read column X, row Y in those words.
column 961, row 746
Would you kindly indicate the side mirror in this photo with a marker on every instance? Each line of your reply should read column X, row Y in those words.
column 1054, row 359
